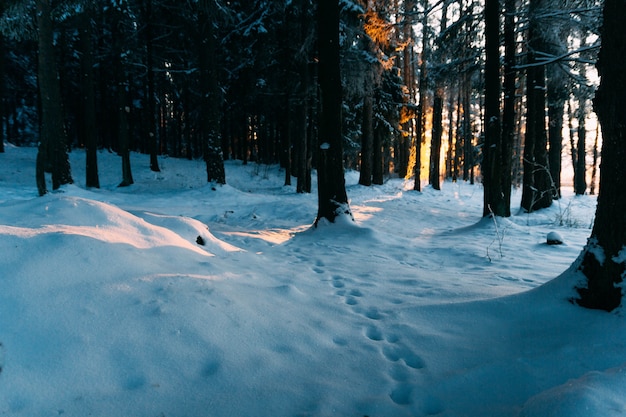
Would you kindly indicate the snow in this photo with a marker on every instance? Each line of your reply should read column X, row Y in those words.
column 109, row 307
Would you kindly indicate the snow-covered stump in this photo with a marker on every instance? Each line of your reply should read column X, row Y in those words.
column 554, row 238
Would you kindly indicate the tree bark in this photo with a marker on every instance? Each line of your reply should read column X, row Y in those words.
column 2, row 91
column 211, row 96
column 509, row 102
column 90, row 135
column 581, row 157
column 603, row 259
column 538, row 189
column 332, row 196
column 367, row 138
column 435, row 141
column 52, row 152
column 150, row 85
column 492, row 151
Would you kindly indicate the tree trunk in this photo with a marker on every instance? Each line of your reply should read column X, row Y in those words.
column 332, row 196
column 435, row 141
column 150, row 85
column 538, row 188
column 210, row 104
column 594, row 166
column 53, row 140
column 367, row 139
column 492, row 150
column 2, row 92
column 557, row 94
column 90, row 135
column 603, row 261
column 581, row 161
column 509, row 101
column 122, row 113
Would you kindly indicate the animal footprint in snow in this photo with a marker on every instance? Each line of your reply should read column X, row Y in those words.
column 397, row 352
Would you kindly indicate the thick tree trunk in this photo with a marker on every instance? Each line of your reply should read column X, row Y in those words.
column 332, row 196
column 53, row 140
column 603, row 261
column 90, row 135
column 538, row 189
column 211, row 98
column 2, row 92
column 492, row 149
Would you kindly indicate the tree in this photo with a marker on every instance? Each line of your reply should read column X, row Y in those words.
column 492, row 166
column 2, row 89
column 210, row 92
column 332, row 196
column 52, row 153
column 538, row 188
column 603, row 260
column 89, row 127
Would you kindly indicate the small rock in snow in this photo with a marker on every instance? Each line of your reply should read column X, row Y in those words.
column 554, row 239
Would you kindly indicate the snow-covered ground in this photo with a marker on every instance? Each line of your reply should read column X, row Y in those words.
column 110, row 307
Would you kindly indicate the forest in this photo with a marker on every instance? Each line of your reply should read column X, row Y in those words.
column 468, row 254
column 239, row 80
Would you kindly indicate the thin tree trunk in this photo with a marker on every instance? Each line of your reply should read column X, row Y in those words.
column 419, row 117
column 367, row 139
column 435, row 143
column 150, row 95
column 581, row 161
column 509, row 101
column 594, row 167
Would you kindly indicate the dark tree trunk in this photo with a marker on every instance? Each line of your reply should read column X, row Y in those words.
column 332, row 196
column 492, row 150
column 378, row 156
column 210, row 104
column 90, row 135
column 603, row 262
column 286, row 139
column 122, row 114
column 2, row 92
column 538, row 188
column 581, row 161
column 150, row 85
column 419, row 116
column 594, row 169
column 53, row 140
column 304, row 163
column 367, row 139
column 557, row 94
column 434, row 168
column 468, row 138
column 508, row 110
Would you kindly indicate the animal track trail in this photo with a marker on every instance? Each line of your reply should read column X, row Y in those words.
column 404, row 364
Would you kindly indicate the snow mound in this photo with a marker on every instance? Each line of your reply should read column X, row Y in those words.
column 595, row 393
column 66, row 215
